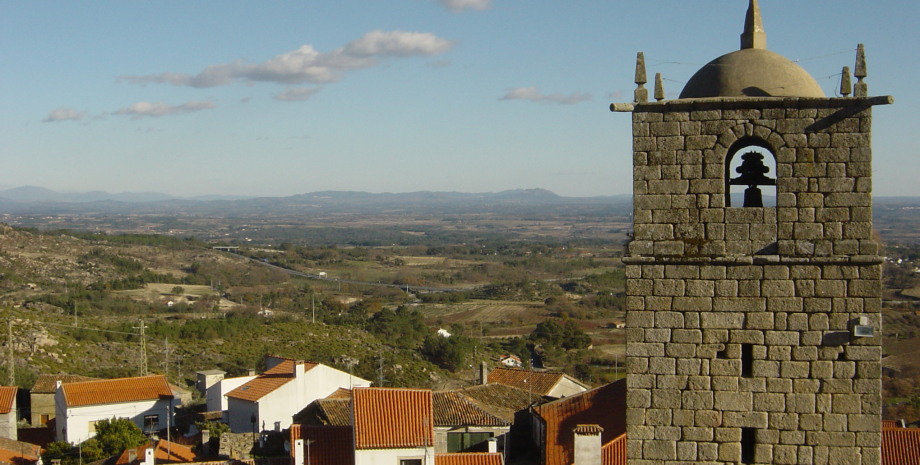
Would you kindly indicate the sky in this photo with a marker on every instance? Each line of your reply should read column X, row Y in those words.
column 277, row 98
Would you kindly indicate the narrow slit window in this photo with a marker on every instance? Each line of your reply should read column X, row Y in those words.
column 748, row 444
column 747, row 359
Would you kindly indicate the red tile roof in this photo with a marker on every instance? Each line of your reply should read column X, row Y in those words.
column 111, row 391
column 539, row 383
column 502, row 400
column 7, row 398
column 387, row 418
column 320, row 412
column 18, row 452
column 614, row 452
column 47, row 384
column 468, row 459
column 891, row 424
column 604, row 406
column 332, row 445
column 269, row 381
column 451, row 408
column 340, row 393
column 165, row 452
column 901, row 446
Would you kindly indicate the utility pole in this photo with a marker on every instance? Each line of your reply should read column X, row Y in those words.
column 380, row 378
column 313, row 303
column 143, row 347
column 11, row 359
column 166, row 358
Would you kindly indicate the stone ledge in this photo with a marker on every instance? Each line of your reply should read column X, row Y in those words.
column 702, row 104
column 734, row 260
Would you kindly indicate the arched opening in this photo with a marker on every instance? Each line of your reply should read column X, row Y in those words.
column 750, row 174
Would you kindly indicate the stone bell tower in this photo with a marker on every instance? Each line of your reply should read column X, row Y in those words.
column 754, row 328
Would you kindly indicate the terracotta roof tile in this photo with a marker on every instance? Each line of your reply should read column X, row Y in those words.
column 468, row 459
column 332, row 445
column 501, row 399
column 111, row 391
column 393, row 418
column 12, row 451
column 335, row 412
column 267, row 382
column 891, row 424
column 7, row 398
column 539, row 383
column 47, row 384
column 451, row 408
column 165, row 452
column 614, row 452
column 901, row 446
column 604, row 406
column 340, row 393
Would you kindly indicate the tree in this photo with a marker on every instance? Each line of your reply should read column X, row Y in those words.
column 178, row 290
column 118, row 434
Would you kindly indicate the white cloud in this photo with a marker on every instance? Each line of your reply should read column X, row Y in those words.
column 460, row 5
column 155, row 110
column 532, row 94
column 64, row 114
column 296, row 94
column 308, row 65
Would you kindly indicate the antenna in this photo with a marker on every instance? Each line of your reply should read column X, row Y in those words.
column 12, row 360
column 141, row 327
column 380, row 377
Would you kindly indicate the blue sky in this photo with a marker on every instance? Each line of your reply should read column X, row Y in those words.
column 277, row 98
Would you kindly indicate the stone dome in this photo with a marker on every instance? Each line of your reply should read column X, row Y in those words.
column 751, row 72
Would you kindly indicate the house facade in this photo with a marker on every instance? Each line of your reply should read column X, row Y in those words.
column 539, row 383
column 148, row 401
column 269, row 401
column 216, row 394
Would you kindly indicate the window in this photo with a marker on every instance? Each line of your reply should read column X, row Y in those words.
column 748, row 444
column 44, row 419
column 151, row 423
column 468, row 442
column 410, row 461
column 747, row 359
column 750, row 174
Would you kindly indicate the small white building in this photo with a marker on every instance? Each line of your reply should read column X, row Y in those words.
column 207, row 378
column 216, row 397
column 8, row 412
column 269, row 401
column 512, row 361
column 148, row 401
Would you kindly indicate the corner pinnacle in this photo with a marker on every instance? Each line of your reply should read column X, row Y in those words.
column 754, row 35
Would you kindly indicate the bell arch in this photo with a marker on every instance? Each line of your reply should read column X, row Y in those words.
column 750, row 172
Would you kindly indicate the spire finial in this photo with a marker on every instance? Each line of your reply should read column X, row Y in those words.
column 641, row 93
column 845, row 87
column 862, row 89
column 659, row 87
column 754, row 35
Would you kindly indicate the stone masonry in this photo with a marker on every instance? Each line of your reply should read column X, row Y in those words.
column 740, row 320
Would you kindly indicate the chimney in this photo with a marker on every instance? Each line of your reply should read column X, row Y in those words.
column 298, row 370
column 132, row 455
column 298, row 452
column 484, row 373
column 148, row 455
column 493, row 445
column 205, row 442
column 252, row 372
column 588, row 444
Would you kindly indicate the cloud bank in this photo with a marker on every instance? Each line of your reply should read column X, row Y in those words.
column 155, row 110
column 532, row 94
column 306, row 65
column 457, row 6
column 64, row 114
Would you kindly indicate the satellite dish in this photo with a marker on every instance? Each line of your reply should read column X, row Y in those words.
column 287, row 446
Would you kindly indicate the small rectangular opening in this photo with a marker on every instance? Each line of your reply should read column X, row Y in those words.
column 748, row 444
column 747, row 359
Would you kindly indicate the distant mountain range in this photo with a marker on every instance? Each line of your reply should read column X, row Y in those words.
column 39, row 200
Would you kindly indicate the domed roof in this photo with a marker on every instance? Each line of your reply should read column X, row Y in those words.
column 752, row 71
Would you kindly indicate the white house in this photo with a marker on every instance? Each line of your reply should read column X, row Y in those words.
column 8, row 412
column 512, row 361
column 272, row 398
column 216, row 396
column 148, row 401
